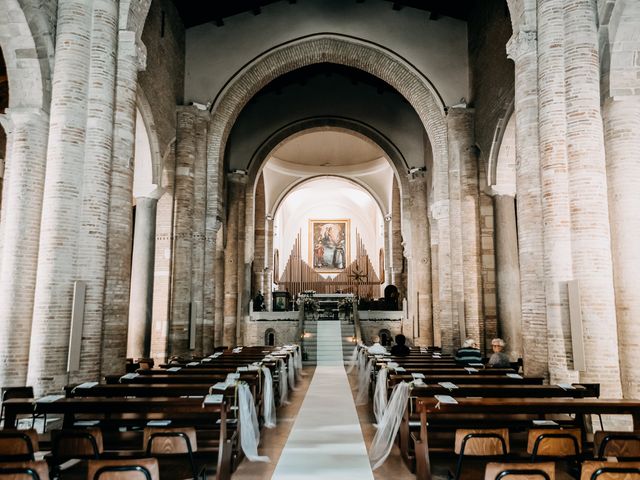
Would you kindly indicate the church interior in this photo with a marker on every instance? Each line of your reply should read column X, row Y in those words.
column 313, row 239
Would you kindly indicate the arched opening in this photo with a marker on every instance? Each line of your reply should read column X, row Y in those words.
column 385, row 337
column 270, row 337
column 316, row 183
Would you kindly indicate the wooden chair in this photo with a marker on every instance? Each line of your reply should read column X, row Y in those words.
column 31, row 470
column 596, row 470
column 622, row 445
column 19, row 392
column 171, row 444
column 557, row 443
column 520, row 471
column 18, row 445
column 480, row 442
column 133, row 469
column 75, row 445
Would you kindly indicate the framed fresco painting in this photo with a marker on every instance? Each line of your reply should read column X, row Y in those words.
column 329, row 245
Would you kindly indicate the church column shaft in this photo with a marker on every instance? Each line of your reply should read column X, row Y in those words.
column 590, row 236
column 554, row 183
column 182, row 232
column 73, row 233
column 116, row 296
column 140, row 312
column 622, row 137
column 508, row 273
column 259, row 252
column 235, row 195
column 460, row 123
column 198, row 235
column 522, row 49
column 20, row 218
column 421, row 264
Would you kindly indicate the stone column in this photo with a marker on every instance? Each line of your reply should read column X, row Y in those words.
column 508, row 273
column 181, row 272
column 435, row 283
column 73, row 236
column 396, row 240
column 131, row 59
column 622, row 142
column 449, row 336
column 522, row 49
column 218, row 299
column 236, row 183
column 259, row 251
column 20, row 219
column 590, row 235
column 198, row 234
column 164, row 256
column 458, row 304
column 387, row 249
column 421, row 263
column 268, row 271
column 555, row 195
column 141, row 303
column 466, row 217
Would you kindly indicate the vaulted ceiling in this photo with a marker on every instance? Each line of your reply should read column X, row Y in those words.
column 194, row 12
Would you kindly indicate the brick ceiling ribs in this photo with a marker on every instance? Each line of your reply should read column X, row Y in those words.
column 196, row 12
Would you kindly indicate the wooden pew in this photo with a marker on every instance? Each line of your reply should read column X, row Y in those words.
column 181, row 410
column 466, row 379
column 410, row 422
column 429, row 409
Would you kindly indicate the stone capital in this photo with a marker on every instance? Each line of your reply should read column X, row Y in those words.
column 17, row 116
column 504, row 190
column 238, row 176
column 131, row 46
column 153, row 192
column 522, row 43
column 440, row 209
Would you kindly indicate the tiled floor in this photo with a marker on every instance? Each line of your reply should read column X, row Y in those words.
column 273, row 441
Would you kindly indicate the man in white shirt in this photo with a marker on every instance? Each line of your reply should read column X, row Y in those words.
column 376, row 348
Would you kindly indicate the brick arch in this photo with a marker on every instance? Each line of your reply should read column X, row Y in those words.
column 332, row 48
column 28, row 51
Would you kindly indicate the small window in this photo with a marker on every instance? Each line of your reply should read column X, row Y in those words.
column 270, row 337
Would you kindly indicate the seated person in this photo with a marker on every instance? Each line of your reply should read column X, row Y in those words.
column 469, row 353
column 400, row 349
column 498, row 359
column 376, row 348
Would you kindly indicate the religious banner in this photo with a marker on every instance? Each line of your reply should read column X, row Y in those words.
column 329, row 245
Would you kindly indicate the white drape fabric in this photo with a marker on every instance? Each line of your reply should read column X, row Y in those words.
column 268, row 400
column 353, row 360
column 298, row 359
column 380, row 394
column 249, row 428
column 291, row 372
column 283, row 381
column 388, row 426
column 364, row 377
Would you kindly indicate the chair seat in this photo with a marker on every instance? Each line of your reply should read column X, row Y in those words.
column 40, row 467
column 589, row 468
column 150, row 464
column 482, row 445
column 553, row 446
column 524, row 471
column 618, row 444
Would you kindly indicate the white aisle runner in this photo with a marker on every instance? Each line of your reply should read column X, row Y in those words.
column 326, row 441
